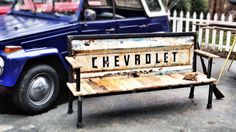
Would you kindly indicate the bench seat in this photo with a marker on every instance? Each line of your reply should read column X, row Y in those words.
column 132, row 63
column 95, row 86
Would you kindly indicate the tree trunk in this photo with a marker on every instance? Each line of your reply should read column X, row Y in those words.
column 218, row 6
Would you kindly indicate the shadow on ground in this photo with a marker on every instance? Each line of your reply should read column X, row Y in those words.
column 7, row 106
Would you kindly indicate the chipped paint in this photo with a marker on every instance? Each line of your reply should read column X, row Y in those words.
column 105, row 44
column 134, row 56
column 139, row 59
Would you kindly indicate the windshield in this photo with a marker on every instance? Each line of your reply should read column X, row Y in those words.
column 129, row 3
column 6, row 2
column 153, row 5
column 48, row 6
column 97, row 3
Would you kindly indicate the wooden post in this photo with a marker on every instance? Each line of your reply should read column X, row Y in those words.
column 200, row 31
column 174, row 21
column 180, row 22
column 194, row 22
column 214, row 33
column 187, row 22
column 229, row 34
column 207, row 33
column 221, row 35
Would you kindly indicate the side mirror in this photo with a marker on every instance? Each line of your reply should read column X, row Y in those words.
column 89, row 15
column 233, row 2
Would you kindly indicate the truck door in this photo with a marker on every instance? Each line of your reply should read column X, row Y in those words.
column 158, row 18
column 98, row 27
column 97, row 17
column 130, row 16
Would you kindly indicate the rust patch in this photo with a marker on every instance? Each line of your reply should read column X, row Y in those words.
column 99, row 89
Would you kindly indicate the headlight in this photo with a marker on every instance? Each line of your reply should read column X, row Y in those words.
column 1, row 65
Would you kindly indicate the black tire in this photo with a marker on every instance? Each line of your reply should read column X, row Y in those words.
column 37, row 89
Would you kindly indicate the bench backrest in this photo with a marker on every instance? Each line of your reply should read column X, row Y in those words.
column 156, row 53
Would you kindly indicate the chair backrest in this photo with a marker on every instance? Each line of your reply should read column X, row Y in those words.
column 153, row 53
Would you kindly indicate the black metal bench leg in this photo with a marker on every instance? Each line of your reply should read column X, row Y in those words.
column 70, row 103
column 79, row 114
column 191, row 94
column 209, row 104
column 217, row 93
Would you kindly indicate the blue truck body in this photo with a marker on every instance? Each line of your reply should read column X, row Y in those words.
column 42, row 35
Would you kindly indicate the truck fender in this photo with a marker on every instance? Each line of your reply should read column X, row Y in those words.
column 15, row 62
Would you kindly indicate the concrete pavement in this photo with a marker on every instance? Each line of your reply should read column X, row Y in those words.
column 162, row 111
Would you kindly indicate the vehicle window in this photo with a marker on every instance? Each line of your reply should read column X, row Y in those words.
column 97, row 3
column 129, row 9
column 97, row 10
column 153, row 5
column 129, row 3
column 6, row 2
column 59, row 7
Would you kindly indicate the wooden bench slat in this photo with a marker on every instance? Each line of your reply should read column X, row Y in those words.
column 152, row 80
column 100, row 86
column 96, row 87
column 118, row 84
column 110, row 85
column 72, row 87
column 133, row 83
column 178, row 77
column 155, row 80
column 75, row 64
column 145, row 81
column 88, row 88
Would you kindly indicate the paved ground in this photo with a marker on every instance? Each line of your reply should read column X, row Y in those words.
column 163, row 111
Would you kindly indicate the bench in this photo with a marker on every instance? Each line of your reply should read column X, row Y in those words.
column 118, row 64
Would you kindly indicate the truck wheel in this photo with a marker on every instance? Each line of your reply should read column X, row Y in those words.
column 37, row 89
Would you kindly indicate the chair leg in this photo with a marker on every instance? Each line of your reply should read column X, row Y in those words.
column 191, row 94
column 209, row 104
column 70, row 103
column 79, row 114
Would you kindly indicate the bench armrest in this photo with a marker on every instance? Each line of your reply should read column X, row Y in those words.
column 207, row 70
column 74, row 64
column 75, row 68
column 205, row 54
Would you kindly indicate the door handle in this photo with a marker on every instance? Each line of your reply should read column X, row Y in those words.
column 142, row 26
column 110, row 29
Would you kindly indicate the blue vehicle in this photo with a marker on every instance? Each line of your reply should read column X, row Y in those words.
column 33, row 40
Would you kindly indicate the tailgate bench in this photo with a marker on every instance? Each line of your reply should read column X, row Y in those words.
column 130, row 63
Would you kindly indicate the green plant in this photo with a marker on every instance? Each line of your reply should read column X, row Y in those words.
column 198, row 6
column 182, row 5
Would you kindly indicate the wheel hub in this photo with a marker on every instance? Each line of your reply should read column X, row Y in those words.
column 40, row 89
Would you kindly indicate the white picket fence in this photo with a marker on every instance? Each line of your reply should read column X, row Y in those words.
column 207, row 38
